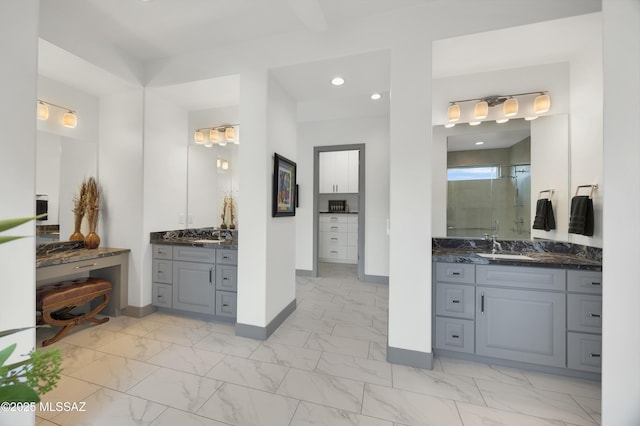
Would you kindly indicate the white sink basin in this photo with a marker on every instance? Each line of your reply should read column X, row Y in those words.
column 505, row 256
column 208, row 241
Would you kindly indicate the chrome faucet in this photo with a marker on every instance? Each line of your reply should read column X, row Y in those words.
column 495, row 245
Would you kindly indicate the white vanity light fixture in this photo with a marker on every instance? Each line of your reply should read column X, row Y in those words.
column 43, row 111
column 198, row 137
column 481, row 110
column 229, row 133
column 214, row 135
column 509, row 103
column 510, row 107
column 337, row 81
column 69, row 118
column 209, row 136
column 542, row 103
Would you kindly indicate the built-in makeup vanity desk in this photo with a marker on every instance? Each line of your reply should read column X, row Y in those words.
column 55, row 263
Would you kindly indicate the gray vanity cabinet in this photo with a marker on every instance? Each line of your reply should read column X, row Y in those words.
column 194, row 289
column 521, row 325
column 545, row 316
column 196, row 279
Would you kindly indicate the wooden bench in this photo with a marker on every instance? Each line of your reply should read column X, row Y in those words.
column 55, row 302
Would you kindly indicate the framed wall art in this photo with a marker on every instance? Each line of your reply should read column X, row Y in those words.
column 284, row 187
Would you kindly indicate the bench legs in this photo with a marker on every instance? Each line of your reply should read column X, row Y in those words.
column 61, row 316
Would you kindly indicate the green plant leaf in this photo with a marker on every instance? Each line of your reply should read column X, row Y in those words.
column 6, row 353
column 5, row 239
column 18, row 330
column 18, row 393
column 12, row 223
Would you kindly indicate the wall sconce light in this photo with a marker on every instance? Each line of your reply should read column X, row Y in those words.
column 510, row 107
column 217, row 135
column 542, row 104
column 69, row 118
column 43, row 111
column 481, row 110
column 222, row 164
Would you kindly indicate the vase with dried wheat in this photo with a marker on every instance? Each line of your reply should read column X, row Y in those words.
column 79, row 209
column 92, row 240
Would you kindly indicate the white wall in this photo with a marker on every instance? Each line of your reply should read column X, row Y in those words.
column 374, row 133
column 550, row 162
column 621, row 291
column 255, row 181
column 164, row 177
column 120, row 176
column 281, row 231
column 18, row 47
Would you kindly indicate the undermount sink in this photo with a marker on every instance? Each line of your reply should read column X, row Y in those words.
column 208, row 241
column 505, row 256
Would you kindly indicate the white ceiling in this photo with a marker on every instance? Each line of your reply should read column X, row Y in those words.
column 155, row 29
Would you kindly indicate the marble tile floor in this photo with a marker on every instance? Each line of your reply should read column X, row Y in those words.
column 324, row 366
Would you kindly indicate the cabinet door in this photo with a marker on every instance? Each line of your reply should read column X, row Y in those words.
column 326, row 171
column 341, row 165
column 227, row 277
column 193, row 288
column 521, row 325
column 353, row 170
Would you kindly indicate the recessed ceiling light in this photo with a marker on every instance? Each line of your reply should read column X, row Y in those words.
column 337, row 81
column 479, row 143
column 376, row 96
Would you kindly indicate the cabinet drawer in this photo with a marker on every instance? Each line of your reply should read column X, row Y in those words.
column 161, row 295
column 162, row 252
column 194, row 254
column 227, row 277
column 162, row 271
column 454, row 334
column 584, row 352
column 584, row 313
column 334, row 238
column 584, row 281
column 334, row 218
column 334, row 252
column 524, row 277
column 455, row 300
column 334, row 227
column 455, row 273
column 226, row 304
column 229, row 257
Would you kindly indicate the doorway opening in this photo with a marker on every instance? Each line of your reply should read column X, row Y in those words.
column 339, row 211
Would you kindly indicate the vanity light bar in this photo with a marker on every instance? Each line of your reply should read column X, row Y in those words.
column 208, row 136
column 69, row 118
column 510, row 107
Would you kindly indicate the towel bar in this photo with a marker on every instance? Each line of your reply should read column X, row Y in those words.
column 593, row 188
column 550, row 191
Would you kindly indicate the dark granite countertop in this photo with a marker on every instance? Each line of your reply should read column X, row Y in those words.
column 194, row 237
column 191, row 241
column 542, row 253
column 338, row 212
column 76, row 255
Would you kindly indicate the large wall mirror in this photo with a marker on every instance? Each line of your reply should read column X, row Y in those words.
column 491, row 188
column 489, row 183
column 61, row 165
